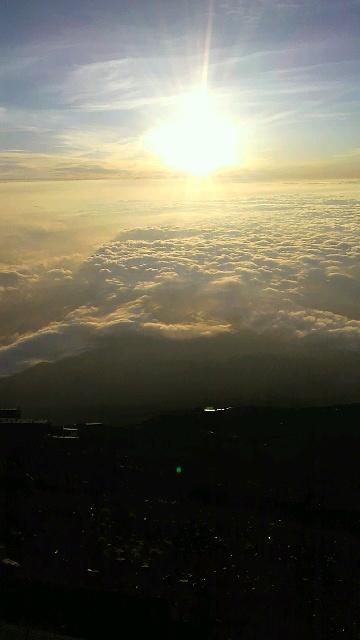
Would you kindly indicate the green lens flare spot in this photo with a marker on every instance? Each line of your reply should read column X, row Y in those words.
column 178, row 469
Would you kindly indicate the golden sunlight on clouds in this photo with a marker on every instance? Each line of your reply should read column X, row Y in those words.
column 199, row 139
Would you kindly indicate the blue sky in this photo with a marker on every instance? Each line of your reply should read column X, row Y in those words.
column 82, row 82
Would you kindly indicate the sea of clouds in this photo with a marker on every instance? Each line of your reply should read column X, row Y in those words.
column 280, row 267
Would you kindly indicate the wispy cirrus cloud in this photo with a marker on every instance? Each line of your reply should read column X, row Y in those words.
column 110, row 73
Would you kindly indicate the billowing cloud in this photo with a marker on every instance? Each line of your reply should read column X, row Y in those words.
column 285, row 269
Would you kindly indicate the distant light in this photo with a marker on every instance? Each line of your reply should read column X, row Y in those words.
column 178, row 469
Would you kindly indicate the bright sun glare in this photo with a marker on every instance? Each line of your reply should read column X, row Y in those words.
column 199, row 139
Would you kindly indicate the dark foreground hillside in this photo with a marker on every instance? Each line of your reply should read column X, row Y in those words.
column 242, row 523
column 134, row 374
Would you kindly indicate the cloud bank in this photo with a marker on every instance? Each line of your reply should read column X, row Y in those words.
column 281, row 269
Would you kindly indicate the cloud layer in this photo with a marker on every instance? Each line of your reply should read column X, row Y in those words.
column 284, row 268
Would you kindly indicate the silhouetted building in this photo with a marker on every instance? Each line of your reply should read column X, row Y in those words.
column 66, row 433
column 10, row 414
column 90, row 430
column 16, row 431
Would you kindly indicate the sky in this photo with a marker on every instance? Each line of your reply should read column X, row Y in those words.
column 81, row 84
column 125, row 280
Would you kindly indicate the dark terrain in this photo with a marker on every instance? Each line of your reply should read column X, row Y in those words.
column 231, row 524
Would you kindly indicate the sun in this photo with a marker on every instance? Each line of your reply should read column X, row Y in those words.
column 199, row 139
